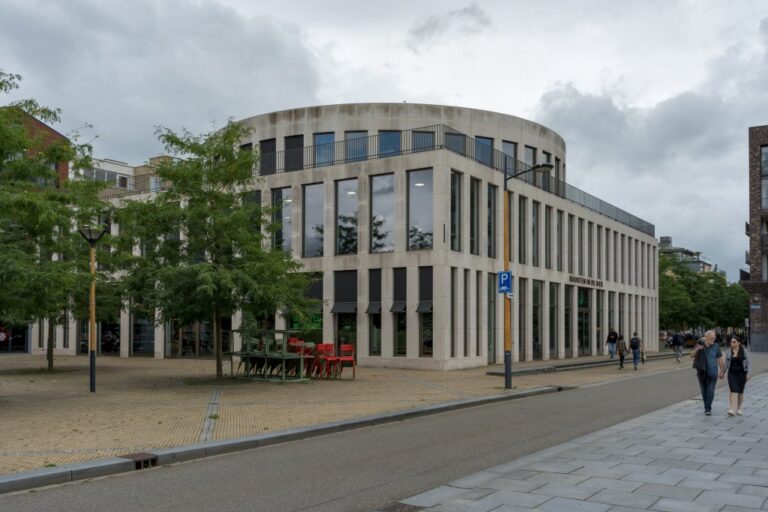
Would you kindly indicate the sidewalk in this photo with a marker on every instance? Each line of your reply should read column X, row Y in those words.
column 674, row 459
column 51, row 419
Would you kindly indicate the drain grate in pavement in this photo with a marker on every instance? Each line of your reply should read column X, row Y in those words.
column 211, row 415
column 142, row 460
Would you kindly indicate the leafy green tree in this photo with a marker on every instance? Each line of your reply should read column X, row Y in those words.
column 41, row 264
column 205, row 242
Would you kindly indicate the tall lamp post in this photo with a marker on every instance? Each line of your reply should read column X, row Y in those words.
column 542, row 168
column 92, row 234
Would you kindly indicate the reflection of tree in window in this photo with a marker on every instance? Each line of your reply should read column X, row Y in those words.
column 420, row 209
column 382, row 213
column 418, row 239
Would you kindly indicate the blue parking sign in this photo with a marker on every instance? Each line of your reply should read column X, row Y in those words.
column 505, row 282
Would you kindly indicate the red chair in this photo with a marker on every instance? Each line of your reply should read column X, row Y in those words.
column 326, row 361
column 346, row 355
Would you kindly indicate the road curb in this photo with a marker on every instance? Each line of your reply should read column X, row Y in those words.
column 91, row 469
column 572, row 366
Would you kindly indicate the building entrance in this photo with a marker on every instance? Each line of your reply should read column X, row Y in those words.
column 14, row 339
column 584, row 322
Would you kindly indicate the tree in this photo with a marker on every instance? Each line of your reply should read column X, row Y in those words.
column 42, row 257
column 206, row 252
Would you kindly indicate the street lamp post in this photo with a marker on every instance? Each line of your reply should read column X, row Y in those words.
column 507, row 300
column 92, row 235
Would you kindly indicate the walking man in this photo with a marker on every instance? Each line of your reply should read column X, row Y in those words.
column 708, row 361
column 677, row 345
column 613, row 338
column 636, row 345
column 621, row 347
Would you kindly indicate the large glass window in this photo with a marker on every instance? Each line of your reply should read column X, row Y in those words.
column 374, row 312
column 324, row 147
column 355, row 145
column 346, row 216
column 474, row 216
column 529, row 157
column 313, row 214
column 548, row 236
column 383, row 213
column 456, row 142
column 282, row 201
column 143, row 335
column 484, row 150
column 389, row 143
column 492, row 189
column 399, row 312
column 453, row 296
column 424, row 309
column 535, row 233
column 560, row 240
column 267, row 156
column 554, row 295
column 600, row 329
column 536, row 316
column 420, row 209
column 510, row 156
column 466, row 313
column 522, row 319
column 456, row 211
column 422, row 141
column 294, row 152
column 764, row 160
column 491, row 289
column 522, row 228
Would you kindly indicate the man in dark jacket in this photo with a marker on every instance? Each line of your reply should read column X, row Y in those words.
column 708, row 361
column 611, row 342
column 677, row 345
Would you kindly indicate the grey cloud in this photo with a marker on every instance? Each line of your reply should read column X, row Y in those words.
column 685, row 156
column 469, row 20
column 127, row 68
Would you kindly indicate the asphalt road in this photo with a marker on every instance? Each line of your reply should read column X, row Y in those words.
column 366, row 469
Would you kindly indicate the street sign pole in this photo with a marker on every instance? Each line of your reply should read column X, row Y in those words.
column 505, row 287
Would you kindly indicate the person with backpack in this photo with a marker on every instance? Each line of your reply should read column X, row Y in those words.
column 611, row 342
column 677, row 345
column 637, row 347
column 621, row 349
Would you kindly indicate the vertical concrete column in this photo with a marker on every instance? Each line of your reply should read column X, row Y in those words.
column 126, row 319
column 561, row 322
column 592, row 321
column 71, row 326
column 401, row 210
column 412, row 318
column 363, row 338
column 387, row 321
column 441, row 316
column 545, row 320
column 159, row 338
column 363, row 214
column 516, row 334
column 481, row 314
column 608, row 256
column 566, row 254
column 329, row 224
column 237, row 337
column 528, row 335
column 297, row 213
column 329, row 334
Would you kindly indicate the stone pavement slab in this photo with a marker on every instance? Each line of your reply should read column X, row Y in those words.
column 674, row 460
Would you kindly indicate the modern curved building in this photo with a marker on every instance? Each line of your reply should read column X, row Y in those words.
column 406, row 214
column 399, row 210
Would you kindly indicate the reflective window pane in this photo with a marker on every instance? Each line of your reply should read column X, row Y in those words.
column 346, row 217
column 420, row 209
column 356, row 145
column 423, row 141
column 484, row 150
column 323, row 146
column 383, row 213
column 389, row 143
column 313, row 220
column 282, row 200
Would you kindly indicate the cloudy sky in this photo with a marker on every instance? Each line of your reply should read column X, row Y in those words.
column 653, row 97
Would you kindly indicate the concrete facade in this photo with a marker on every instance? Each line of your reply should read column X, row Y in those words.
column 592, row 257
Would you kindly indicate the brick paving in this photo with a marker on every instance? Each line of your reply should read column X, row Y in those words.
column 50, row 419
column 674, row 459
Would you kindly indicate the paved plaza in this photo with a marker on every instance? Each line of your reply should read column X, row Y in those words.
column 50, row 419
column 675, row 460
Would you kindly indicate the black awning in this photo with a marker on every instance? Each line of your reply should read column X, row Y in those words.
column 425, row 306
column 398, row 307
column 374, row 308
column 344, row 307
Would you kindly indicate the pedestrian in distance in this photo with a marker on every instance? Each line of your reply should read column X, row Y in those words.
column 621, row 349
column 636, row 345
column 737, row 366
column 707, row 360
column 613, row 338
column 677, row 345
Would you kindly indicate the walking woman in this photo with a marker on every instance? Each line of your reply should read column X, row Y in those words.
column 737, row 365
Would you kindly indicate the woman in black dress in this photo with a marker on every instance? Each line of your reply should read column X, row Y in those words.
column 737, row 365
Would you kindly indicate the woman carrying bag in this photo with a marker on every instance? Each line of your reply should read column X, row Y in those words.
column 737, row 365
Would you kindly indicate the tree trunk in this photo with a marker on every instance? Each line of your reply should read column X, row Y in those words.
column 217, row 344
column 49, row 348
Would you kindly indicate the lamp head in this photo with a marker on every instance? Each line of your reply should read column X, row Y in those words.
column 92, row 234
column 541, row 168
